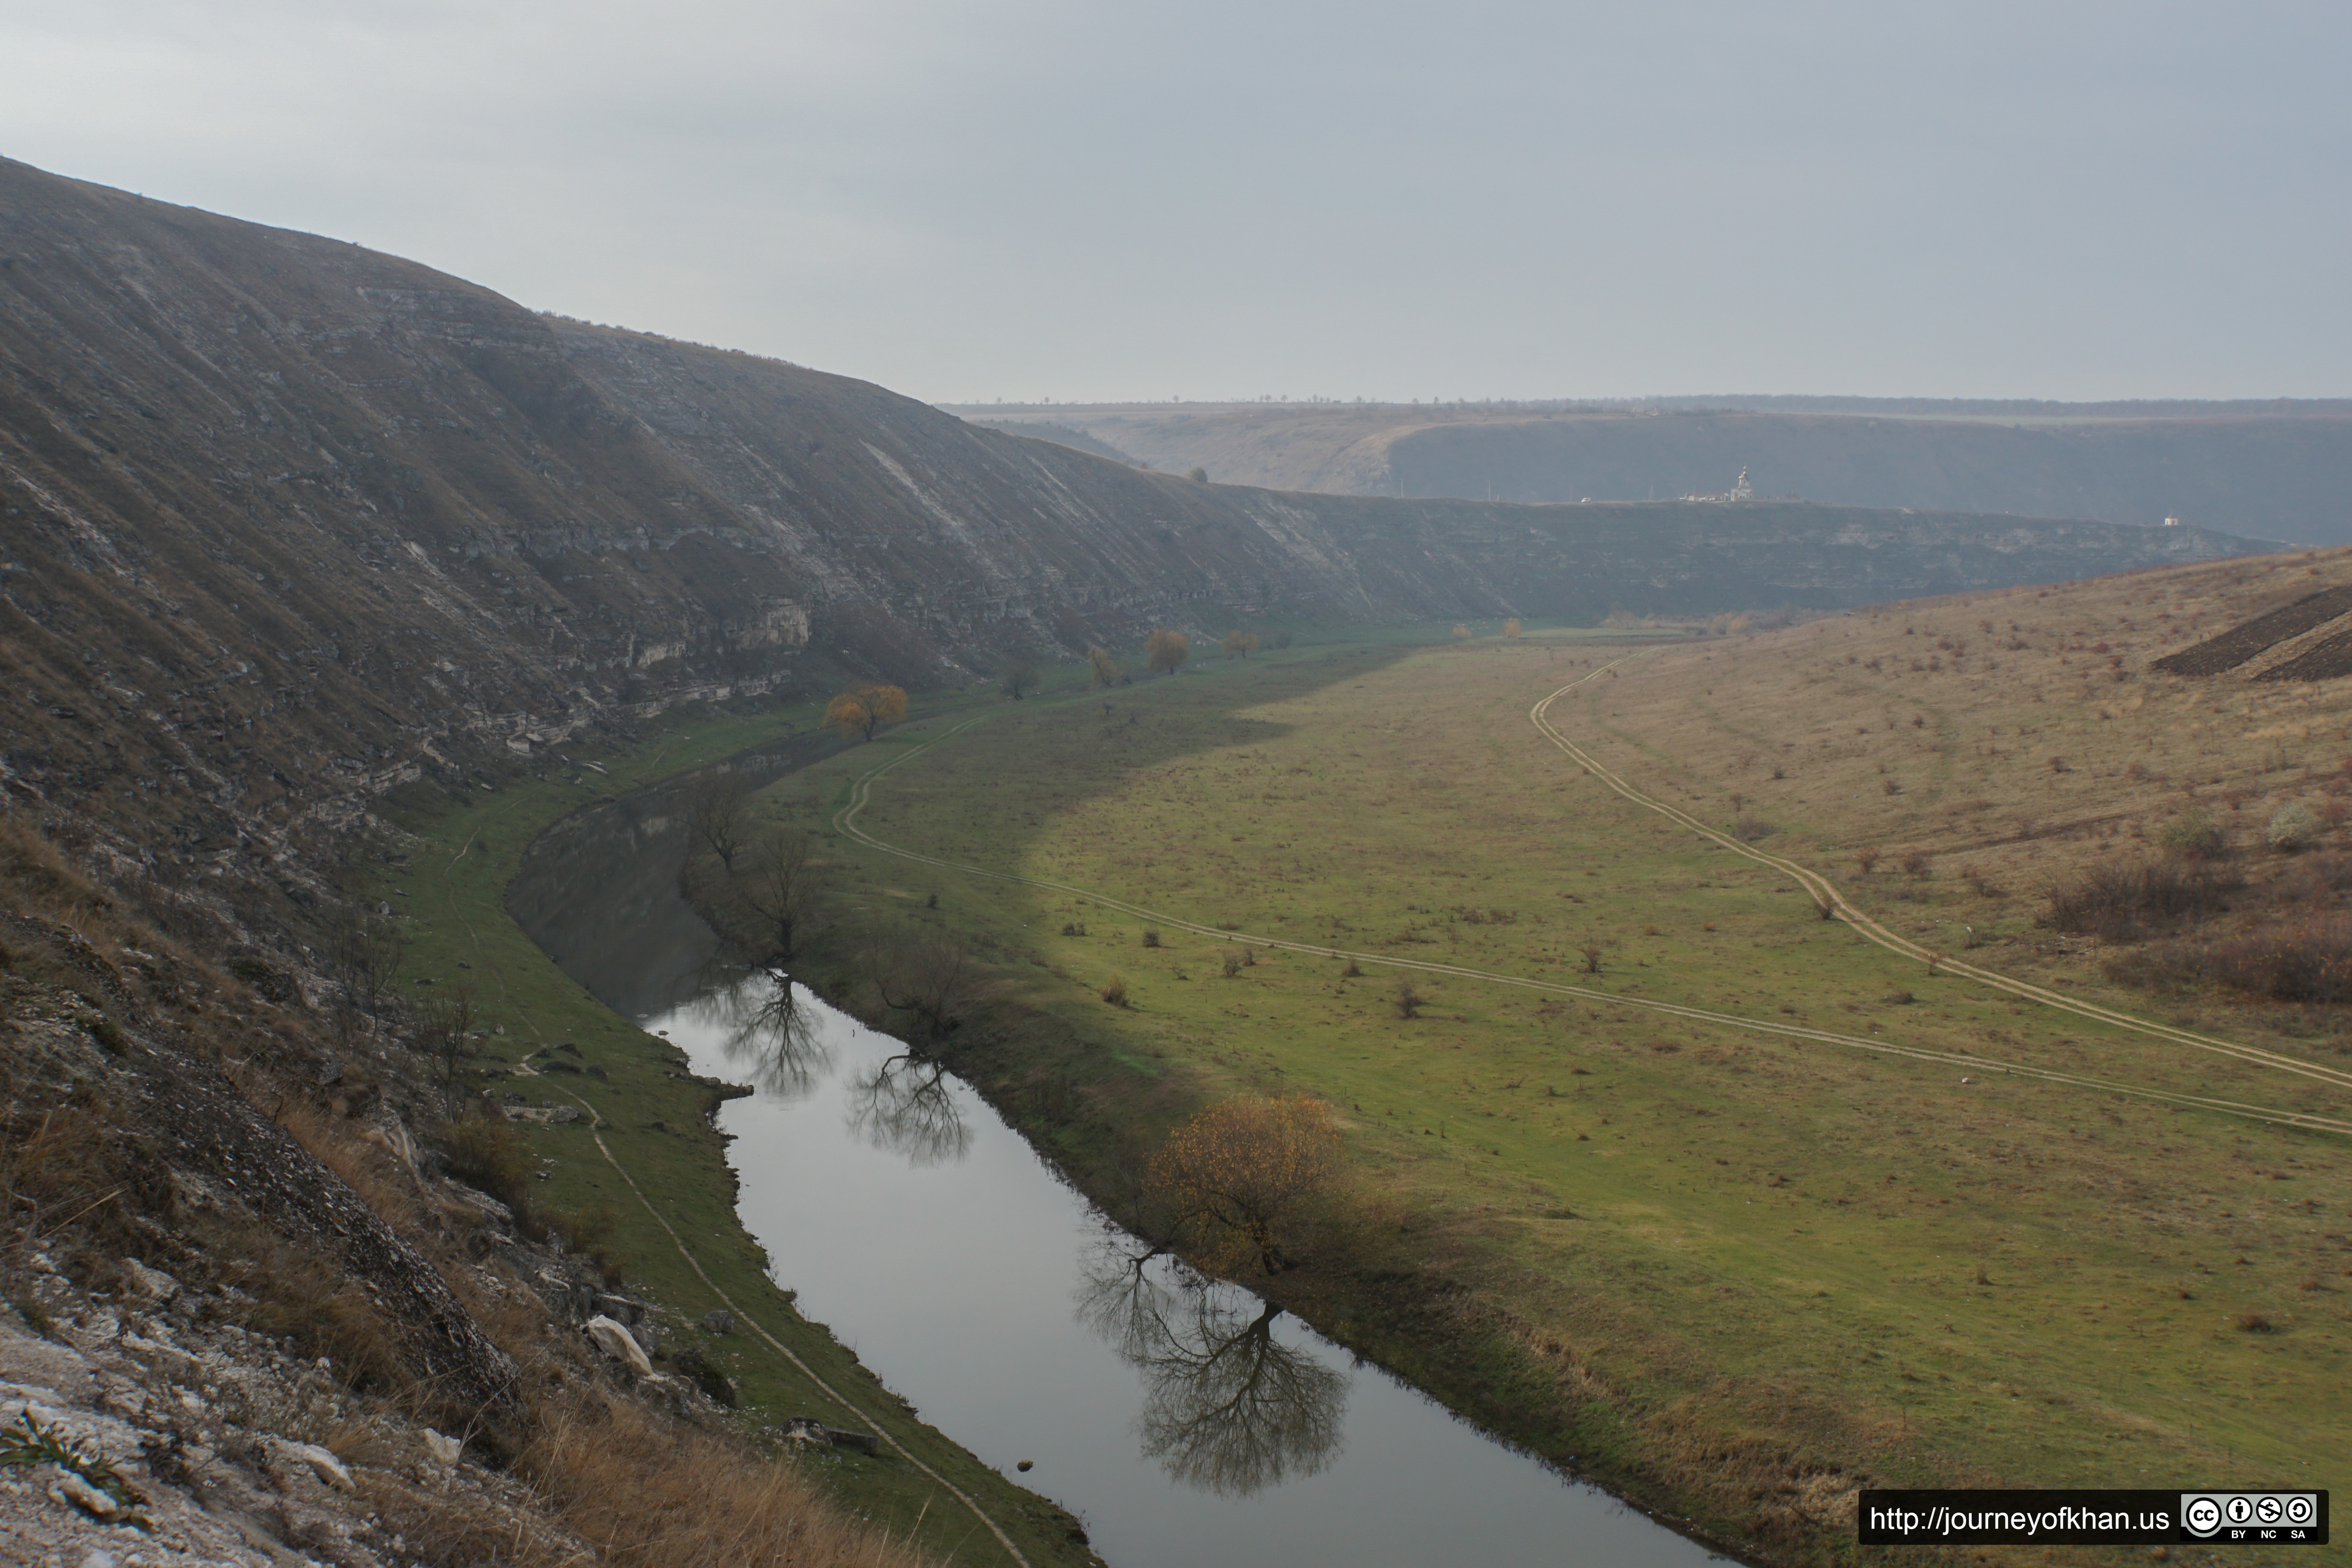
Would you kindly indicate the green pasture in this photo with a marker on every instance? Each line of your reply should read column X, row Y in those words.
column 1732, row 1246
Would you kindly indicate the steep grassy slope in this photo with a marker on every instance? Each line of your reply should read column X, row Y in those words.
column 2282, row 473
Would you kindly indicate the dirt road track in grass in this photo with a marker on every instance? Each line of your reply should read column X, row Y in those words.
column 1826, row 894
column 845, row 821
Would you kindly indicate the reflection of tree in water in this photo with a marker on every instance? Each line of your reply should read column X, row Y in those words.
column 1226, row 1407
column 770, row 1028
column 907, row 1105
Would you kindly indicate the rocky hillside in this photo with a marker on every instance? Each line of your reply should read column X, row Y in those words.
column 2280, row 471
column 289, row 522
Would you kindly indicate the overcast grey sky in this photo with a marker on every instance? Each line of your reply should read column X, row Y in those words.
column 1478, row 198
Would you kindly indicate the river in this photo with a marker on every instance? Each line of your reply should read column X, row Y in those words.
column 1183, row 1420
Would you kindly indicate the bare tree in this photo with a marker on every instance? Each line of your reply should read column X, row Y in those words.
column 715, row 814
column 777, row 886
column 930, row 977
column 1234, row 1176
column 1020, row 676
column 772, row 1028
column 448, row 1023
column 1227, row 1406
column 365, row 954
column 907, row 1105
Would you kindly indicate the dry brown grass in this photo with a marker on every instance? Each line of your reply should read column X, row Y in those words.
column 2158, row 769
column 650, row 1493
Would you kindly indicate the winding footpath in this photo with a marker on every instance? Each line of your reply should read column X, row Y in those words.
column 1826, row 894
column 845, row 821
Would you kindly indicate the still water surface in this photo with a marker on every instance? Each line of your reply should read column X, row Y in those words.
column 1185, row 1421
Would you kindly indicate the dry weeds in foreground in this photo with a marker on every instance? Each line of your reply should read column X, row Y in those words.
column 648, row 1492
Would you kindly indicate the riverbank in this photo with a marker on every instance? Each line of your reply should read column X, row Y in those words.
column 673, row 1232
column 1095, row 1087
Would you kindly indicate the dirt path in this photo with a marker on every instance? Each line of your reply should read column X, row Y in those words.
column 1826, row 894
column 845, row 821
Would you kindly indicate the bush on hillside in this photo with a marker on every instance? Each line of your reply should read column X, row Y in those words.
column 2118, row 903
column 2291, row 827
column 2193, row 835
column 2309, row 960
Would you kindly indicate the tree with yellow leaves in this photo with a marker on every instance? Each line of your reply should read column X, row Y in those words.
column 1101, row 670
column 1233, row 1179
column 1461, row 632
column 1240, row 644
column 1165, row 651
column 1511, row 628
column 861, row 708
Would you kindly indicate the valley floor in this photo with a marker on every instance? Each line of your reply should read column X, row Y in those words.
column 1739, row 1273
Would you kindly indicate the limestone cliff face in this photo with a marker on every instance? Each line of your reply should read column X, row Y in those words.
column 286, row 521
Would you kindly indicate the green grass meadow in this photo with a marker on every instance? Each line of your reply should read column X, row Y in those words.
column 1737, row 1275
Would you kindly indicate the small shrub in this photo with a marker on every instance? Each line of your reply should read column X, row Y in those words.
column 1891, row 786
column 1233, row 964
column 487, row 1154
column 2059, row 765
column 2291, row 827
column 1917, row 863
column 1114, row 990
column 1353, row 971
column 2192, row 835
column 1408, row 999
column 1151, row 939
column 1749, row 829
column 1591, row 954
column 1865, row 859
column 2254, row 1323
